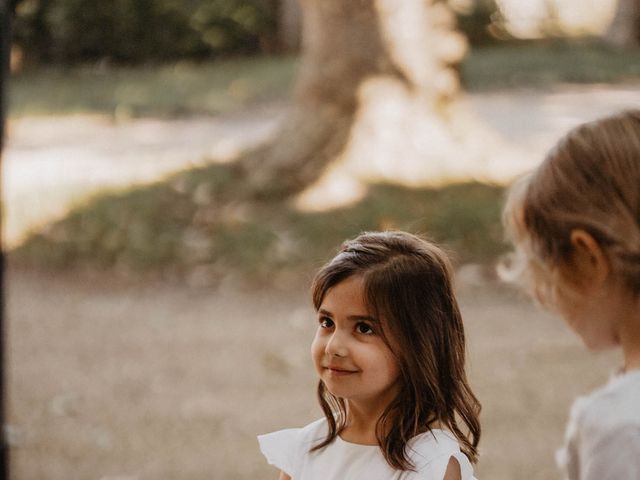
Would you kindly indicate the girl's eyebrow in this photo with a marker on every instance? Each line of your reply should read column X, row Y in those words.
column 354, row 318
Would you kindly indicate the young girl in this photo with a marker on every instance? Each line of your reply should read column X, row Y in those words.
column 389, row 352
column 575, row 222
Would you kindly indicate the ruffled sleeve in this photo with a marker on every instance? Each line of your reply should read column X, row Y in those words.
column 431, row 453
column 281, row 449
column 436, row 468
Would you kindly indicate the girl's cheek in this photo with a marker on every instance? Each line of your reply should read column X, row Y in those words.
column 317, row 347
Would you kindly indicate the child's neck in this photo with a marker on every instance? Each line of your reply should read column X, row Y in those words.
column 362, row 420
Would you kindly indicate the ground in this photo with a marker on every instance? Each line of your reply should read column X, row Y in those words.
column 111, row 380
column 158, row 381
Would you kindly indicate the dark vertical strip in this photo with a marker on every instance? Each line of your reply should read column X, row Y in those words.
column 5, row 12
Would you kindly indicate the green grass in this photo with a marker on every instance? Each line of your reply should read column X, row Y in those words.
column 224, row 86
column 201, row 218
column 168, row 90
column 543, row 64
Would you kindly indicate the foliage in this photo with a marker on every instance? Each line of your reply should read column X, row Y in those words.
column 480, row 23
column 69, row 31
column 206, row 219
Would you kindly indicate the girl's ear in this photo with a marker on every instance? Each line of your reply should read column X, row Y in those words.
column 589, row 263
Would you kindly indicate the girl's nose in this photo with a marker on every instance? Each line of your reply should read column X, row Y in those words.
column 337, row 345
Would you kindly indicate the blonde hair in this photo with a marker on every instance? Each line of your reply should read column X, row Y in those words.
column 591, row 181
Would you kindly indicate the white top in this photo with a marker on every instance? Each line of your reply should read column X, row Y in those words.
column 288, row 450
column 603, row 435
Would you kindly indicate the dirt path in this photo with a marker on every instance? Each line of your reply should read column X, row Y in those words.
column 51, row 163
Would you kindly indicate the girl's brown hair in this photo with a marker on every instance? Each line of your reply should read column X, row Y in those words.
column 591, row 181
column 407, row 282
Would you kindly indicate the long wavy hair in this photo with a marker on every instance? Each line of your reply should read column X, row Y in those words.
column 408, row 287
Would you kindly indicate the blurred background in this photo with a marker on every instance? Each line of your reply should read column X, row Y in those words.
column 176, row 170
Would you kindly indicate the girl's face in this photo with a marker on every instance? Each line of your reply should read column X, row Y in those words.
column 349, row 354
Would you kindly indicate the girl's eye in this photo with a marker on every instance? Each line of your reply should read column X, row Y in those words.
column 326, row 322
column 364, row 328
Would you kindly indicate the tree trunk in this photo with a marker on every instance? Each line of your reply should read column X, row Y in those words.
column 371, row 69
column 624, row 31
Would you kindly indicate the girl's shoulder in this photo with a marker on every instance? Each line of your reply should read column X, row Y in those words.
column 431, row 452
column 313, row 431
column 612, row 406
column 603, row 431
column 285, row 448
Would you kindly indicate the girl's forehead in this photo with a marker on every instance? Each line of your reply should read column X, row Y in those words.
column 349, row 291
column 349, row 297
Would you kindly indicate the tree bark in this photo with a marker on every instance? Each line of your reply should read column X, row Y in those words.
column 357, row 54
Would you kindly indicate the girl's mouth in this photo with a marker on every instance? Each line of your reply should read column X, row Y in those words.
column 339, row 372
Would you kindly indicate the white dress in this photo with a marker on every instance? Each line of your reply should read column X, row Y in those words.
column 288, row 450
column 602, row 440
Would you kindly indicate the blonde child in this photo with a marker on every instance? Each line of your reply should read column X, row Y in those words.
column 389, row 352
column 575, row 223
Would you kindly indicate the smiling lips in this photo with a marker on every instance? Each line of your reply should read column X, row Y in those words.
column 339, row 372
